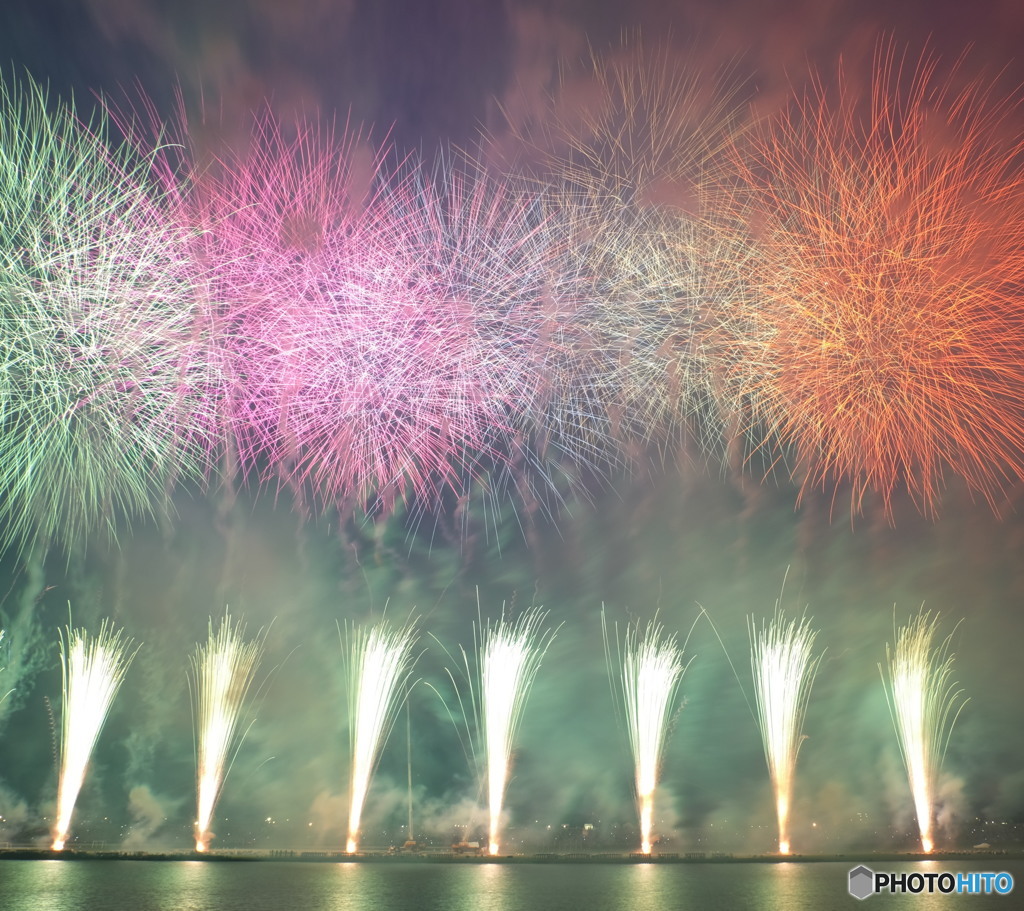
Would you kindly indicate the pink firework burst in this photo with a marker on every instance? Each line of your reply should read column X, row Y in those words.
column 367, row 313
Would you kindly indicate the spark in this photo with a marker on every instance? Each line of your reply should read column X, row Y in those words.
column 645, row 675
column 784, row 669
column 223, row 671
column 925, row 704
column 378, row 661
column 93, row 670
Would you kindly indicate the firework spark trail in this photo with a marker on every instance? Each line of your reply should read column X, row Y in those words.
column 8, row 693
column 783, row 668
column 880, row 339
column 104, row 375
column 223, row 671
column 93, row 670
column 507, row 656
column 924, row 703
column 645, row 672
column 378, row 660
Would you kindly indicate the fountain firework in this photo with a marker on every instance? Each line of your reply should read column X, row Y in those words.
column 645, row 674
column 508, row 655
column 924, row 703
column 93, row 670
column 783, row 670
column 378, row 663
column 222, row 673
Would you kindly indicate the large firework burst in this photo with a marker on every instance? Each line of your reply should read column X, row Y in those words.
column 103, row 375
column 362, row 368
column 880, row 341
column 276, row 210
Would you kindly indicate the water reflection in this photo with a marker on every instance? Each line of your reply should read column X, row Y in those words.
column 271, row 886
column 783, row 887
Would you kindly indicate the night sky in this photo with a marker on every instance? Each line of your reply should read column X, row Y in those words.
column 682, row 533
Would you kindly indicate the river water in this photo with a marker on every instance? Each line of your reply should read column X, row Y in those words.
column 113, row 885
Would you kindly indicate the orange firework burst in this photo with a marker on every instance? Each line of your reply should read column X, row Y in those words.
column 881, row 340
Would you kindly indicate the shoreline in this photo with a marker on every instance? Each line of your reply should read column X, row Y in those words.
column 439, row 857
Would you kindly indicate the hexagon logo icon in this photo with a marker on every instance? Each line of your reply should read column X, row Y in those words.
column 862, row 882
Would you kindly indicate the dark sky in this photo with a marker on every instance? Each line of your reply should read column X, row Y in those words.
column 433, row 71
column 430, row 73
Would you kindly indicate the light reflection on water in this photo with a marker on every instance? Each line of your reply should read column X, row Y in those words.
column 275, row 886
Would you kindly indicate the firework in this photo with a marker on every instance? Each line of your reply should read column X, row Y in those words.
column 8, row 693
column 622, row 148
column 492, row 251
column 104, row 380
column 639, row 124
column 645, row 674
column 924, row 703
column 93, row 669
column 223, row 671
column 646, row 287
column 379, row 660
column 352, row 351
column 507, row 656
column 783, row 667
column 878, row 346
